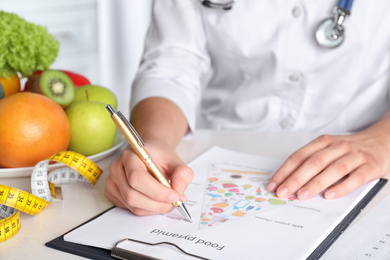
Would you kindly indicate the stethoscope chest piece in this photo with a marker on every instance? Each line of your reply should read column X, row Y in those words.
column 329, row 34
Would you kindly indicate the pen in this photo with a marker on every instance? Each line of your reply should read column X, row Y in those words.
column 137, row 144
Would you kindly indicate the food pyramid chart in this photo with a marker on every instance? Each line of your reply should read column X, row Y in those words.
column 234, row 193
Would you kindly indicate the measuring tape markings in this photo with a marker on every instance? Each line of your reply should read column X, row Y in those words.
column 80, row 169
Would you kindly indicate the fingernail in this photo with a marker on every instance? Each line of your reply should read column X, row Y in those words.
column 271, row 186
column 173, row 197
column 330, row 195
column 282, row 192
column 302, row 195
column 180, row 188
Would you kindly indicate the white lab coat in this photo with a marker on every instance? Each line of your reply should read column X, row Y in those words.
column 259, row 67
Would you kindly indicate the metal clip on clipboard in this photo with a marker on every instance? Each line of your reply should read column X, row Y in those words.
column 124, row 254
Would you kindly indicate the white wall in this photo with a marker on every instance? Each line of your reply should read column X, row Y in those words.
column 73, row 23
column 101, row 39
column 122, row 27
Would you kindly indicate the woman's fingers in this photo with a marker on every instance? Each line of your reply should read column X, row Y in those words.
column 303, row 165
column 336, row 164
column 181, row 178
column 354, row 180
column 124, row 195
column 138, row 179
column 130, row 185
column 334, row 172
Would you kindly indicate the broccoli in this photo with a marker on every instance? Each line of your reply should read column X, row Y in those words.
column 24, row 47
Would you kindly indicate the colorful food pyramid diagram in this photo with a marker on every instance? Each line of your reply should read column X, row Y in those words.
column 232, row 193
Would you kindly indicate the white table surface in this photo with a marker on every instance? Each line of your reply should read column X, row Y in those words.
column 81, row 203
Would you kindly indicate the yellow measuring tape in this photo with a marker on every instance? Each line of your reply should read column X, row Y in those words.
column 79, row 169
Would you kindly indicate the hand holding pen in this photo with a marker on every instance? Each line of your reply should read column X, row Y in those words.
column 128, row 185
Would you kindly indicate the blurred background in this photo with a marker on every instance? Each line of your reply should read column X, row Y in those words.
column 100, row 39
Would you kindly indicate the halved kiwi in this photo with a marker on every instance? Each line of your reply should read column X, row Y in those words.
column 56, row 85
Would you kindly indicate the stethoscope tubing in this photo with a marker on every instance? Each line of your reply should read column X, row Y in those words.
column 345, row 4
column 329, row 33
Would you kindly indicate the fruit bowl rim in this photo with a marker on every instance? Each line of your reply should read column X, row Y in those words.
column 26, row 171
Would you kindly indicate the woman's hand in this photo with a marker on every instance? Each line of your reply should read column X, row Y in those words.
column 339, row 164
column 129, row 185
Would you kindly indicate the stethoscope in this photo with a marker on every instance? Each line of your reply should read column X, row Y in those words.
column 330, row 32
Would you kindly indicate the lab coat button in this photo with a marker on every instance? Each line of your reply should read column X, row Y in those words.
column 285, row 123
column 296, row 11
column 295, row 77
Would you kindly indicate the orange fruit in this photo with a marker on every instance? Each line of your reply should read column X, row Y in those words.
column 9, row 86
column 32, row 128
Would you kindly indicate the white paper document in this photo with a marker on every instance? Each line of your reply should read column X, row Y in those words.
column 234, row 217
column 368, row 238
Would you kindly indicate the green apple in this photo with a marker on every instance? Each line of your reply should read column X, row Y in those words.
column 92, row 130
column 96, row 93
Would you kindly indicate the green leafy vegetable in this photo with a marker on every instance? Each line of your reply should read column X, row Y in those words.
column 24, row 47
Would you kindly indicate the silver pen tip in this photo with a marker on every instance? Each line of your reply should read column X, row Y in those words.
column 183, row 210
column 110, row 109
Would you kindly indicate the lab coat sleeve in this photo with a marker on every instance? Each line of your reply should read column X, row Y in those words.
column 175, row 57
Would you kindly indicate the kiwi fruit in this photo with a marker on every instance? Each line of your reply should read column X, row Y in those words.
column 56, row 85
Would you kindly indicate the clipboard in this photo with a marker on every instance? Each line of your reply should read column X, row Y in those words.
column 102, row 254
column 81, row 250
